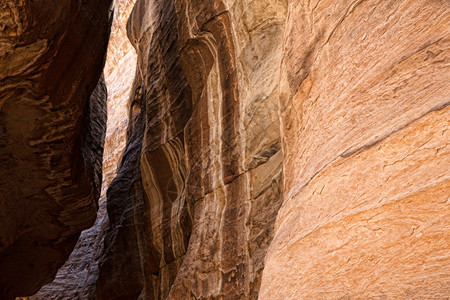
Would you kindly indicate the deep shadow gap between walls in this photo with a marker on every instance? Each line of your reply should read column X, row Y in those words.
column 76, row 279
column 254, row 149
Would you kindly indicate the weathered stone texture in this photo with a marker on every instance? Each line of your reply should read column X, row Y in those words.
column 361, row 89
column 77, row 278
column 193, row 206
column 280, row 149
column 51, row 140
column 120, row 68
column 365, row 115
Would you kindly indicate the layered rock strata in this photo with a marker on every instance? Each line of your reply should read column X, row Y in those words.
column 77, row 278
column 120, row 69
column 193, row 206
column 365, row 113
column 51, row 134
column 361, row 88
column 284, row 149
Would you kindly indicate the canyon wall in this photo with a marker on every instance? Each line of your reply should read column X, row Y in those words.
column 356, row 95
column 51, row 134
column 274, row 149
column 364, row 107
column 77, row 278
column 194, row 203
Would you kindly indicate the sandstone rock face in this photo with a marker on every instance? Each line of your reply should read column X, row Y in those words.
column 275, row 149
column 193, row 206
column 77, row 278
column 357, row 95
column 120, row 69
column 51, row 135
column 365, row 113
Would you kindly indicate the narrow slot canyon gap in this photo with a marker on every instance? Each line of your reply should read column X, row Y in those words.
column 231, row 149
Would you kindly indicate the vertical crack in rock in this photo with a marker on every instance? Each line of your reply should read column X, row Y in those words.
column 77, row 278
column 268, row 149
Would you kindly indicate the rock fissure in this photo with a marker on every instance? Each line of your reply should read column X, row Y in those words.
column 270, row 149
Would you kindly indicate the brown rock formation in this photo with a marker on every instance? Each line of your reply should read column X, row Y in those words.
column 363, row 111
column 51, row 135
column 329, row 116
column 77, row 278
column 192, row 208
column 365, row 116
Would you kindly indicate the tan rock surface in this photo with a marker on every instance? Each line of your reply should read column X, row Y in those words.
column 120, row 69
column 280, row 149
column 364, row 109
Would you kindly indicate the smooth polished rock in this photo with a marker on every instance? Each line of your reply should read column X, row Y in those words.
column 365, row 115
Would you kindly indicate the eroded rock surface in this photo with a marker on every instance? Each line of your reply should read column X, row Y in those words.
column 120, row 69
column 77, row 278
column 365, row 113
column 357, row 91
column 193, row 206
column 330, row 117
column 51, row 135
